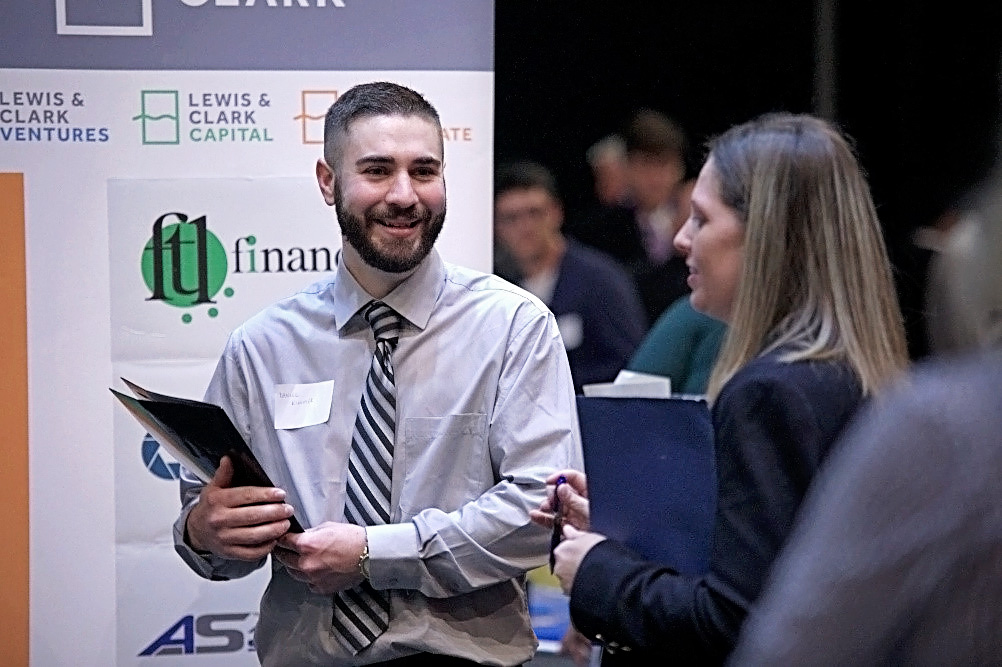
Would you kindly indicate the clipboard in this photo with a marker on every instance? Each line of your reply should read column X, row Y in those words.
column 652, row 476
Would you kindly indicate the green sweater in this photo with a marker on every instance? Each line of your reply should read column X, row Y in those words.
column 683, row 346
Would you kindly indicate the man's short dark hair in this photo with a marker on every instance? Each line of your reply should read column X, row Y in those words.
column 379, row 98
column 523, row 175
column 654, row 134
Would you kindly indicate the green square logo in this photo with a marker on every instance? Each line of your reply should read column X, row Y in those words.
column 159, row 117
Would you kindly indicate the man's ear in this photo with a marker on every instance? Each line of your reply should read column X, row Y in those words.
column 325, row 179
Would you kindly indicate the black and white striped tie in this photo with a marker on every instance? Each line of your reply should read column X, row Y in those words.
column 362, row 613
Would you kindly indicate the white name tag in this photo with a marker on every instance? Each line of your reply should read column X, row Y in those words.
column 299, row 405
column 571, row 328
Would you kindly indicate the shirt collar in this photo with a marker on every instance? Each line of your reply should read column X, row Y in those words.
column 414, row 298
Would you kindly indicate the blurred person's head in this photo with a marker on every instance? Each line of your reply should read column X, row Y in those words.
column 607, row 160
column 971, row 272
column 655, row 158
column 783, row 244
column 528, row 215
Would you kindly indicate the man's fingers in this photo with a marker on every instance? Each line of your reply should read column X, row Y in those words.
column 249, row 553
column 250, row 543
column 575, row 480
column 249, row 516
column 541, row 518
column 257, row 535
column 241, row 496
column 569, row 494
column 224, row 473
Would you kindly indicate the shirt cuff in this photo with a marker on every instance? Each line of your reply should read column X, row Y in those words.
column 394, row 561
column 204, row 564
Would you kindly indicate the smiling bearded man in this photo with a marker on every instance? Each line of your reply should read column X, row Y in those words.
column 446, row 401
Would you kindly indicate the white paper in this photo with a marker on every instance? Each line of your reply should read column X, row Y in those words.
column 635, row 377
column 299, row 405
column 631, row 384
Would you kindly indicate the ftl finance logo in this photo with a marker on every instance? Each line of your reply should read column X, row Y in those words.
column 186, row 266
column 205, row 634
column 166, row 117
column 134, row 18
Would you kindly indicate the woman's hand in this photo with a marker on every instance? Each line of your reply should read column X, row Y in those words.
column 573, row 496
column 570, row 553
column 577, row 646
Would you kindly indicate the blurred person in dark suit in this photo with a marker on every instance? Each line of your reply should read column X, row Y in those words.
column 598, row 311
column 639, row 232
column 607, row 160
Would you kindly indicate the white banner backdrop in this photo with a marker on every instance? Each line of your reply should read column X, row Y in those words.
column 105, row 566
column 263, row 239
column 106, row 152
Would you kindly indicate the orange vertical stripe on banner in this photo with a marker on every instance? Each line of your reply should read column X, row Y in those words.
column 14, row 422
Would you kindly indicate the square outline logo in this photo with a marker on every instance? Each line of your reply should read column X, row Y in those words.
column 145, row 29
column 307, row 120
column 145, row 118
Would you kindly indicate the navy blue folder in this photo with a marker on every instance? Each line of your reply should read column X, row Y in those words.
column 651, row 476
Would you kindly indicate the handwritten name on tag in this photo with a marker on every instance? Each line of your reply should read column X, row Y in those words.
column 299, row 405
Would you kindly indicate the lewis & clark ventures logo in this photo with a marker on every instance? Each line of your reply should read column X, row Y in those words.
column 45, row 116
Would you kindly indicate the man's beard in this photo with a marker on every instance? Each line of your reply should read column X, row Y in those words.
column 354, row 230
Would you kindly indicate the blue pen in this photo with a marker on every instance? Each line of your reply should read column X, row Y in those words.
column 558, row 522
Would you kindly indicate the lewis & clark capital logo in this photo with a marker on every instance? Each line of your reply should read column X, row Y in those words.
column 313, row 105
column 165, row 116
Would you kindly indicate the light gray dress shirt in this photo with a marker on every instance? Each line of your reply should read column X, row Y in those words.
column 485, row 412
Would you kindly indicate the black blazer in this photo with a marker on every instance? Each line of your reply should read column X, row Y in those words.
column 773, row 425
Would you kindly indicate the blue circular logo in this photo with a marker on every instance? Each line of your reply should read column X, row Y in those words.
column 155, row 461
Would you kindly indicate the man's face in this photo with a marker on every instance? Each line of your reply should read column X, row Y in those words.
column 526, row 220
column 653, row 178
column 388, row 190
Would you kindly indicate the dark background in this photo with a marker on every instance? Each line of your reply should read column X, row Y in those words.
column 916, row 87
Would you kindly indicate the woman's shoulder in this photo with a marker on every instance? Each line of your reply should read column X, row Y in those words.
column 810, row 380
column 811, row 399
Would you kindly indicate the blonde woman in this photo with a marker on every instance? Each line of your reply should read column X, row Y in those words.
column 896, row 554
column 782, row 244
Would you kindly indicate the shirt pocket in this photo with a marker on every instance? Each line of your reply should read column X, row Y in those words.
column 443, row 462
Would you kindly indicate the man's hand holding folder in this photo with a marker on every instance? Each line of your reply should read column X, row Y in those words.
column 240, row 513
column 237, row 522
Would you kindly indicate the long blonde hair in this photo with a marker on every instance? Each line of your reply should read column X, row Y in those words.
column 816, row 279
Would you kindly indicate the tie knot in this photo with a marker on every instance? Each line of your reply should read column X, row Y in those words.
column 385, row 321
